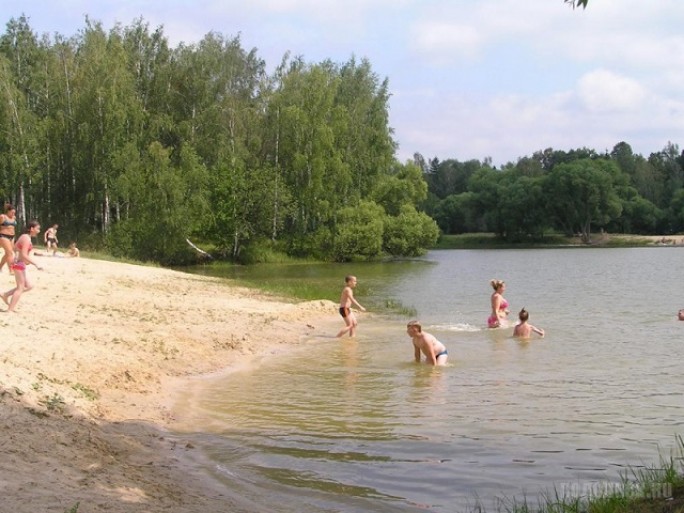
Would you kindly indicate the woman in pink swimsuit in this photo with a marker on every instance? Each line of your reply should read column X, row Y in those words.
column 23, row 248
column 499, row 305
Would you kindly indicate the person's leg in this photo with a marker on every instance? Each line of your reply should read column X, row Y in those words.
column 353, row 325
column 8, row 253
column 22, row 286
column 442, row 359
column 348, row 326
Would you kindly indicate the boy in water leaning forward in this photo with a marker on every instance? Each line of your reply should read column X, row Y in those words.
column 346, row 301
column 434, row 351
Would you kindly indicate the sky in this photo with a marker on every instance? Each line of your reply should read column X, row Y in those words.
column 468, row 79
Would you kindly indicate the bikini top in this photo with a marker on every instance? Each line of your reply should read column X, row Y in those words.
column 7, row 222
column 503, row 305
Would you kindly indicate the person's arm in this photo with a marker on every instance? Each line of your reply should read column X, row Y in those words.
column 538, row 331
column 355, row 302
column 416, row 354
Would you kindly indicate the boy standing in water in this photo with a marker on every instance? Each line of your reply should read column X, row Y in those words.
column 434, row 351
column 523, row 329
column 346, row 301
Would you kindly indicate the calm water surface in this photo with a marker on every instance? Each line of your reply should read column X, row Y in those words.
column 354, row 425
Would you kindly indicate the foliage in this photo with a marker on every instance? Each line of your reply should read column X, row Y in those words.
column 409, row 232
column 573, row 192
column 137, row 146
column 359, row 232
column 132, row 147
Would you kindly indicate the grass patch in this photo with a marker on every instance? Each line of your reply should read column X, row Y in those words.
column 72, row 509
column 491, row 241
column 99, row 255
column 656, row 489
column 54, row 403
column 307, row 290
column 87, row 392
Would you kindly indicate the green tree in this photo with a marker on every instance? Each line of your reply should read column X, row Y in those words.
column 359, row 232
column 409, row 232
column 581, row 193
column 457, row 213
column 166, row 204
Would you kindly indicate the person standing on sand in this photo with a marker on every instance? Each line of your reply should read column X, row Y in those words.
column 346, row 302
column 435, row 352
column 23, row 248
column 51, row 238
column 8, row 226
column 523, row 329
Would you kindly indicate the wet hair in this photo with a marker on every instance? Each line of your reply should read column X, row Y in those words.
column 496, row 284
column 349, row 278
column 417, row 324
column 8, row 207
column 523, row 315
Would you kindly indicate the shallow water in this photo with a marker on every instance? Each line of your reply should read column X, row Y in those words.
column 354, row 425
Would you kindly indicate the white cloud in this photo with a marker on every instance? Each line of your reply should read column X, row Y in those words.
column 441, row 41
column 605, row 91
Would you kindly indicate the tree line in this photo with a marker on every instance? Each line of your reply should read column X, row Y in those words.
column 133, row 146
column 136, row 147
column 572, row 192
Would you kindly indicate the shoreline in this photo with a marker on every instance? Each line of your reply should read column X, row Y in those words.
column 93, row 364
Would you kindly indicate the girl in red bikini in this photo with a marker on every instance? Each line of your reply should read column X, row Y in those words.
column 23, row 248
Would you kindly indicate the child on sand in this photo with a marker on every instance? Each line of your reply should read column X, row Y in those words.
column 523, row 329
column 73, row 251
column 434, row 351
column 346, row 302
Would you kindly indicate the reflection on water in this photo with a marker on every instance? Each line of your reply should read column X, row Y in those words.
column 354, row 425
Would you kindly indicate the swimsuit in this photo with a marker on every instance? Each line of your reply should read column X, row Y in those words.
column 7, row 222
column 443, row 353
column 493, row 320
column 20, row 265
column 344, row 312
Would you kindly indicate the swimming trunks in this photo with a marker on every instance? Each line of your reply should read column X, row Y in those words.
column 51, row 239
column 344, row 312
column 442, row 353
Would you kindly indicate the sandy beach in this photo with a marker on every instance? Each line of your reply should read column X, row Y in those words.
column 91, row 362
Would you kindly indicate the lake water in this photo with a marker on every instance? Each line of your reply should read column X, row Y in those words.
column 356, row 426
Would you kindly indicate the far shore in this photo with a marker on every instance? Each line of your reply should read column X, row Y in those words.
column 607, row 240
column 91, row 363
